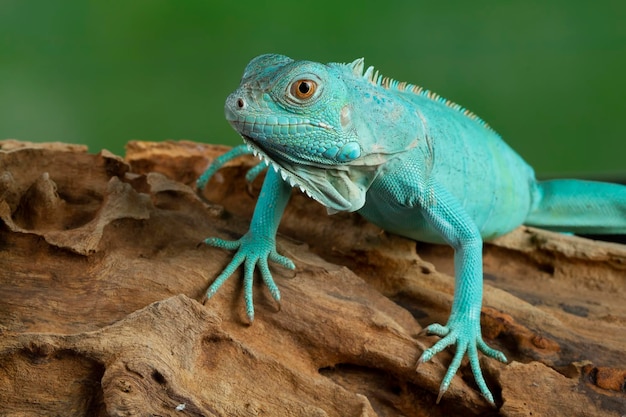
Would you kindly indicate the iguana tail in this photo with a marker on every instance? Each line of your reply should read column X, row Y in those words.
column 576, row 206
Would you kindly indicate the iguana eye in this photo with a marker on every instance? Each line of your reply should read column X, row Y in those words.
column 303, row 89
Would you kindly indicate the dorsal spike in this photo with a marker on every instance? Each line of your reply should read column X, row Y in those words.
column 369, row 74
column 357, row 66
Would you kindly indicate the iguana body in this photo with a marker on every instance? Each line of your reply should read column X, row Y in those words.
column 407, row 160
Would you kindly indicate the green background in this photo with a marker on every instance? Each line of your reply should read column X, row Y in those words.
column 548, row 75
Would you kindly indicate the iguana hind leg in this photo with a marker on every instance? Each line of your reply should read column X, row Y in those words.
column 579, row 206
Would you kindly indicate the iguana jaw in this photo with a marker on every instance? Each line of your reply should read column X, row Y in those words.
column 339, row 187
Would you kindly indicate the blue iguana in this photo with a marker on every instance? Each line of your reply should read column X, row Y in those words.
column 407, row 160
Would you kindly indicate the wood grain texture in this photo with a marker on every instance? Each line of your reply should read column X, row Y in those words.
column 101, row 273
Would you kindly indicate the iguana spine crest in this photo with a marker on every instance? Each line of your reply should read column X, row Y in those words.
column 373, row 76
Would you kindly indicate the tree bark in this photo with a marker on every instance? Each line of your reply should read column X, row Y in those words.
column 102, row 276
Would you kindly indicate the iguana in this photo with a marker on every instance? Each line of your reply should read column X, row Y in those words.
column 407, row 160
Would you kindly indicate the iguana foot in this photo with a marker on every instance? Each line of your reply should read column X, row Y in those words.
column 465, row 334
column 252, row 252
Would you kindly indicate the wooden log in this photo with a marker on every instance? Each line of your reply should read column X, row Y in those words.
column 102, row 273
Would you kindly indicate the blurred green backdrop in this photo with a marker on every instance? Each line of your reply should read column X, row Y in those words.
column 548, row 75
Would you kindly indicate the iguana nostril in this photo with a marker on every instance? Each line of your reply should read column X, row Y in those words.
column 240, row 103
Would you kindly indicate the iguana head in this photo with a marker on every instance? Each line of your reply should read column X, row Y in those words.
column 325, row 128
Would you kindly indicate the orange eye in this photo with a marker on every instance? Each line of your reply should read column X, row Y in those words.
column 303, row 89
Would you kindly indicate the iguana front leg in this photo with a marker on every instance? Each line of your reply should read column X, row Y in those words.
column 446, row 215
column 258, row 245
column 221, row 160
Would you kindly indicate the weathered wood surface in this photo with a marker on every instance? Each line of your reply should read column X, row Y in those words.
column 101, row 273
